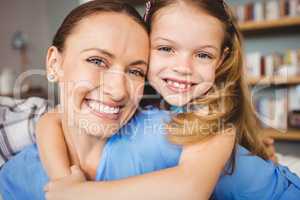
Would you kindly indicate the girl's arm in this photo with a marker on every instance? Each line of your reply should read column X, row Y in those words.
column 194, row 178
column 52, row 146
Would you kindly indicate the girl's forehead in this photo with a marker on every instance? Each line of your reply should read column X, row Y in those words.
column 187, row 25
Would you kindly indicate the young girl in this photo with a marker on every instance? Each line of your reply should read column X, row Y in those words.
column 196, row 64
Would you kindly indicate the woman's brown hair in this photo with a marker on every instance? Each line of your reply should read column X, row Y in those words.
column 91, row 8
column 228, row 101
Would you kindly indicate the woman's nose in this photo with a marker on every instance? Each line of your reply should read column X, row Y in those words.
column 183, row 65
column 115, row 85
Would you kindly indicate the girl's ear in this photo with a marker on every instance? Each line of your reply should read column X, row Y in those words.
column 54, row 64
column 224, row 55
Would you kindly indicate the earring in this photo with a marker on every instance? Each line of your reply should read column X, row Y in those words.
column 51, row 77
column 52, row 74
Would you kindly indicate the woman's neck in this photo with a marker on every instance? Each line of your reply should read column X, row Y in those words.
column 84, row 149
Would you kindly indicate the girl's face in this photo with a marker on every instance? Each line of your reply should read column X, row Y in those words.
column 103, row 66
column 185, row 53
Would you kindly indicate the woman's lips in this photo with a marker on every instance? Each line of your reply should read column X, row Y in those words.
column 103, row 110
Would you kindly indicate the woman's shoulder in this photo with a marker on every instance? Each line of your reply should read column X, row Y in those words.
column 29, row 153
column 16, row 173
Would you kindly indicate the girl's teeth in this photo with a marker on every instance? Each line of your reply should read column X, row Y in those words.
column 182, row 86
column 103, row 108
column 178, row 85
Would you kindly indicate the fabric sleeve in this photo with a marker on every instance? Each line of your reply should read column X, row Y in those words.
column 255, row 178
column 155, row 123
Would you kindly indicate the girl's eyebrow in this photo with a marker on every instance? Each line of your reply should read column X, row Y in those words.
column 165, row 39
column 199, row 47
column 208, row 46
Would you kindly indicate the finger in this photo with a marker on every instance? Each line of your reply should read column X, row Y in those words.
column 76, row 171
column 47, row 187
column 49, row 196
column 57, row 184
column 268, row 141
column 271, row 150
column 274, row 159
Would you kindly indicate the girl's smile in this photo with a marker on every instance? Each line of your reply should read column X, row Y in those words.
column 178, row 86
column 186, row 49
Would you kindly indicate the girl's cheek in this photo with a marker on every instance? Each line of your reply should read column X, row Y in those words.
column 207, row 73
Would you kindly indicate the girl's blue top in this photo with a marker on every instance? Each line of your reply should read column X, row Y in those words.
column 141, row 147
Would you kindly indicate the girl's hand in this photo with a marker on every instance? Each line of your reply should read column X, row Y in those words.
column 62, row 189
column 269, row 144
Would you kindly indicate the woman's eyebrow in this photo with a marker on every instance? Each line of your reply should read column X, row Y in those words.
column 103, row 51
column 139, row 62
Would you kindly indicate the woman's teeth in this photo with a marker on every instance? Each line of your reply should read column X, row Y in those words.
column 99, row 107
column 178, row 85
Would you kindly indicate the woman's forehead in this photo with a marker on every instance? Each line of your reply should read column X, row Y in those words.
column 108, row 31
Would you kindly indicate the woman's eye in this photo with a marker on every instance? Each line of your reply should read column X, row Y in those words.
column 204, row 56
column 97, row 61
column 137, row 73
column 165, row 49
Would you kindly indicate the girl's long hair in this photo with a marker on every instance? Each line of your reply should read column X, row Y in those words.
column 227, row 104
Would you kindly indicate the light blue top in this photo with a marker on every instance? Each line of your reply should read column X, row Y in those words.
column 141, row 147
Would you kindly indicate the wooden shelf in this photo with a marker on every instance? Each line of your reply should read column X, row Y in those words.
column 290, row 135
column 275, row 80
column 270, row 24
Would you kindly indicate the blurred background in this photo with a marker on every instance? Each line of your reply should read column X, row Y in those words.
column 271, row 30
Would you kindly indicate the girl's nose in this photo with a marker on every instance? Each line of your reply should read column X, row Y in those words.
column 184, row 65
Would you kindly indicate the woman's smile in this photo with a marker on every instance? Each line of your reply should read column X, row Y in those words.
column 104, row 110
column 104, row 72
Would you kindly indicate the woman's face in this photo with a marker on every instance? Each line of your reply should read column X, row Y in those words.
column 103, row 65
column 185, row 52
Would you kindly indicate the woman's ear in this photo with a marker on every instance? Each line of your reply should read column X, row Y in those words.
column 54, row 64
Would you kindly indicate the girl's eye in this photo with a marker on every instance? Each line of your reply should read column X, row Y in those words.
column 97, row 61
column 165, row 49
column 204, row 56
column 137, row 73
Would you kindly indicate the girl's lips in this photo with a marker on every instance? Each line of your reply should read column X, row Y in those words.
column 179, row 81
column 178, row 86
